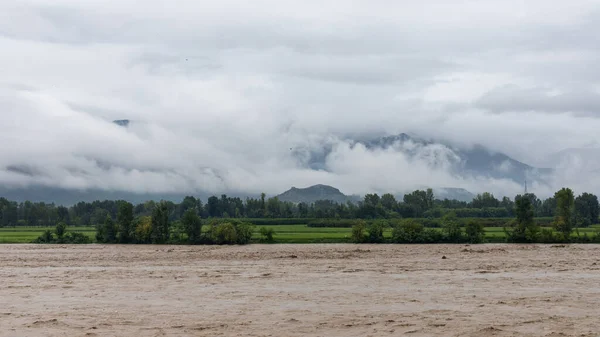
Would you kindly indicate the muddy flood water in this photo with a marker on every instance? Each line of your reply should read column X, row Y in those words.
column 300, row 290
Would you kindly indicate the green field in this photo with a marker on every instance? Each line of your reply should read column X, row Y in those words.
column 283, row 233
column 28, row 234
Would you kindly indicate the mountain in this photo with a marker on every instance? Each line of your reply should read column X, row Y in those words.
column 453, row 193
column 469, row 162
column 314, row 193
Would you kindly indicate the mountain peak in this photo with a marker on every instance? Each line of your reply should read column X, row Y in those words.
column 313, row 193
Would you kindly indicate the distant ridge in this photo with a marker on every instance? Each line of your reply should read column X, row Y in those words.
column 313, row 193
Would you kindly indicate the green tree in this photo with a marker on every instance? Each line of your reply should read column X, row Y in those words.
column 485, row 200
column 411, row 231
column 106, row 232
column 192, row 225
column 267, row 234
column 63, row 214
column 160, row 223
column 125, row 221
column 418, row 202
column 273, row 208
column 111, row 230
column 451, row 228
column 60, row 230
column 46, row 237
column 375, row 231
column 389, row 203
column 563, row 222
column 358, row 232
column 224, row 234
column 525, row 229
column 244, row 232
column 586, row 209
column 142, row 229
column 474, row 231
column 548, row 207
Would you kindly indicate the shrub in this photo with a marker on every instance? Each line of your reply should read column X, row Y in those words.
column 410, row 231
column 451, row 228
column 76, row 238
column 547, row 236
column 358, row 232
column 46, row 237
column 224, row 233
column 244, row 232
column 267, row 234
column 65, row 237
column 375, row 231
column 60, row 230
column 474, row 231
column 230, row 232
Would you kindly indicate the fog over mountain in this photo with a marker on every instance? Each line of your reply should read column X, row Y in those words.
column 247, row 97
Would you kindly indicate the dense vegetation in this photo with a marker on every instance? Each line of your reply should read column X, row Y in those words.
column 228, row 220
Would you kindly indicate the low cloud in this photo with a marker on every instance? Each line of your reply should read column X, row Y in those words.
column 238, row 97
column 583, row 102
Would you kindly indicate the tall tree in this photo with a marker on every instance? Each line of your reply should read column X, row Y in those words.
column 160, row 223
column 564, row 212
column 106, row 232
column 212, row 207
column 389, row 203
column 586, row 209
column 525, row 229
column 418, row 202
column 509, row 205
column 548, row 207
column 124, row 221
column 485, row 200
column 192, row 225
column 63, row 214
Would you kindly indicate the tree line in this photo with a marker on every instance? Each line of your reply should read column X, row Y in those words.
column 418, row 204
column 158, row 228
column 569, row 212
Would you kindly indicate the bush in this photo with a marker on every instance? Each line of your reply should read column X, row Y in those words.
column 375, row 231
column 410, row 231
column 358, row 232
column 267, row 234
column 474, row 231
column 223, row 234
column 451, row 228
column 68, row 237
column 230, row 232
column 547, row 236
column 46, row 237
column 76, row 238
column 60, row 230
column 244, row 233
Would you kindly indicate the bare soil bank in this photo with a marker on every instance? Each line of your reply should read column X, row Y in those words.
column 300, row 290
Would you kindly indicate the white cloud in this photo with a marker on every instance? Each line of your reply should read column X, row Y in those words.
column 224, row 93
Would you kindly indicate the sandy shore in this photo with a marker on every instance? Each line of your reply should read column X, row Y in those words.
column 300, row 290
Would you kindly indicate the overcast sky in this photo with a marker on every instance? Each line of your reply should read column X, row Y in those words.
column 220, row 91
